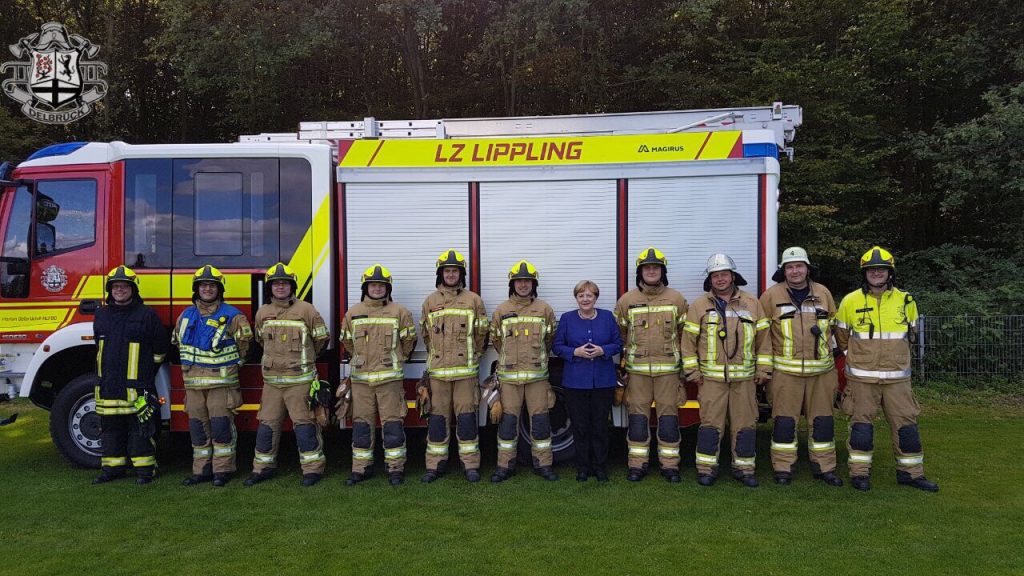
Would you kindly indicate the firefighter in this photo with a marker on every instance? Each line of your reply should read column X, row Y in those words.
column 213, row 338
column 131, row 342
column 292, row 334
column 522, row 330
column 726, row 352
column 875, row 326
column 650, row 319
column 379, row 334
column 801, row 312
column 454, row 325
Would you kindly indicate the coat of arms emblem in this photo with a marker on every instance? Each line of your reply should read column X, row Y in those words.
column 54, row 279
column 56, row 82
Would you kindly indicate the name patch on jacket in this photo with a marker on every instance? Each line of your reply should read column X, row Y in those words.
column 509, row 315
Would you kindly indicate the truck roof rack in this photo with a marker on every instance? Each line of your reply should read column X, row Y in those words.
column 781, row 119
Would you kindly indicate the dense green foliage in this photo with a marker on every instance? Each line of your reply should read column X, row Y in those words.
column 913, row 134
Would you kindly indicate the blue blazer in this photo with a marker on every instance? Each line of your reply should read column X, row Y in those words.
column 573, row 332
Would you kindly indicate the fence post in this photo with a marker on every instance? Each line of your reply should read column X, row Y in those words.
column 920, row 346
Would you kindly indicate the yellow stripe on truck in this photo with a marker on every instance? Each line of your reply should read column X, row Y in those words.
column 314, row 244
column 471, row 153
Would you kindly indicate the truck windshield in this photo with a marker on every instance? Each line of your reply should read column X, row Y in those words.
column 15, row 247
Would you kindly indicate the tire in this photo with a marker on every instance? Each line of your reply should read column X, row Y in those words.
column 74, row 423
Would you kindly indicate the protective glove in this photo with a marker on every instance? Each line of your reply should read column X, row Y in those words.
column 490, row 395
column 343, row 406
column 620, row 386
column 423, row 396
column 144, row 408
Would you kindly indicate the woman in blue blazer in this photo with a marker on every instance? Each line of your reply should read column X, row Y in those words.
column 587, row 339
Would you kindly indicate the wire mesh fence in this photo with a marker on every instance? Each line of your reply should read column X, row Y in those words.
column 970, row 346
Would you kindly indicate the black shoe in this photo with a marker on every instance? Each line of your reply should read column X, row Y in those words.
column 546, row 473
column 783, row 478
column 105, row 477
column 582, row 475
column 432, row 475
column 143, row 480
column 473, row 475
column 829, row 478
column 396, row 478
column 221, row 480
column 257, row 477
column 501, row 474
column 749, row 480
column 357, row 477
column 921, row 483
column 635, row 474
column 862, row 483
column 311, row 479
column 196, row 479
column 601, row 475
column 671, row 475
column 706, row 479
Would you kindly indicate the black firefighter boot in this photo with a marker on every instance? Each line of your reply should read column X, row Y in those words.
column 358, row 477
column 546, row 473
column 257, row 477
column 501, row 474
column 921, row 483
column 829, row 478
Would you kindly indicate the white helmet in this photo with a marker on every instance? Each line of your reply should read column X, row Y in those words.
column 719, row 262
column 792, row 254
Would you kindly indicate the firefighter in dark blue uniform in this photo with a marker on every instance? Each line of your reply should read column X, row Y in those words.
column 131, row 342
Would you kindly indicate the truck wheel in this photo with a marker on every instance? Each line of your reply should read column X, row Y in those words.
column 74, row 423
column 563, row 448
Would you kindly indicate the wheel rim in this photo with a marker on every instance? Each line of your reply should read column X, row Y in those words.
column 84, row 426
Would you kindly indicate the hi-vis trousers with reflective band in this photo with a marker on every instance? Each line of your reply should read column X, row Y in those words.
column 211, row 424
column 464, row 395
column 667, row 393
column 292, row 401
column 789, row 394
column 721, row 402
column 862, row 399
column 539, row 399
column 124, row 443
column 387, row 401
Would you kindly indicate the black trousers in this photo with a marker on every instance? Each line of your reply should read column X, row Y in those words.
column 589, row 411
column 125, row 441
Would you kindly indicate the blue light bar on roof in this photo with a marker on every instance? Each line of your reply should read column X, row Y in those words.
column 57, row 150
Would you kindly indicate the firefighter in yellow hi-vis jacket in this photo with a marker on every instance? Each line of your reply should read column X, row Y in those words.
column 379, row 334
column 650, row 318
column 726, row 351
column 292, row 334
column 454, row 327
column 213, row 338
column 522, row 330
column 804, row 376
column 875, row 326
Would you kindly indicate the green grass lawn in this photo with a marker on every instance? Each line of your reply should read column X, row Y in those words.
column 52, row 521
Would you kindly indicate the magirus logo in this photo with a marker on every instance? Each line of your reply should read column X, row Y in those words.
column 55, row 80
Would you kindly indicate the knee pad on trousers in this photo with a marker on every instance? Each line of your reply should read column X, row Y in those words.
column 745, row 440
column 362, row 435
column 394, row 434
column 507, row 427
column 823, row 429
column 305, row 437
column 668, row 428
column 540, row 426
column 437, row 428
column 708, row 440
column 910, row 440
column 220, row 427
column 784, row 429
column 264, row 439
column 638, row 428
column 466, row 426
column 862, row 437
column 197, row 432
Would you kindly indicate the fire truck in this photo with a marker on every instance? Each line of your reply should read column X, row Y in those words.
column 578, row 196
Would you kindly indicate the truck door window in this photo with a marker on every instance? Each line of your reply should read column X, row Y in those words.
column 16, row 245
column 147, row 213
column 65, row 216
column 218, row 210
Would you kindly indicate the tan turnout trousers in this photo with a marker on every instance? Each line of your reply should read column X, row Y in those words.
column 217, row 454
column 386, row 400
column 464, row 396
column 789, row 394
column 722, row 402
column 667, row 393
column 292, row 401
column 539, row 399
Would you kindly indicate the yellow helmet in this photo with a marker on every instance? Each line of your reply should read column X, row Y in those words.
column 377, row 273
column 281, row 271
column 451, row 258
column 208, row 274
column 877, row 257
column 651, row 255
column 523, row 269
column 122, row 274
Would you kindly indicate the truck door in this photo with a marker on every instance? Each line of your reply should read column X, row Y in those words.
column 53, row 255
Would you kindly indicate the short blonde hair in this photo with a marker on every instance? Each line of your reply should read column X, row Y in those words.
column 586, row 285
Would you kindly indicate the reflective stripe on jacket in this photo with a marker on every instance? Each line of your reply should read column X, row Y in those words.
column 292, row 334
column 521, row 332
column 733, row 345
column 454, row 326
column 875, row 332
column 380, row 336
column 795, row 349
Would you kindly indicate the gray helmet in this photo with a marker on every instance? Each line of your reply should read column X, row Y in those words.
column 719, row 262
